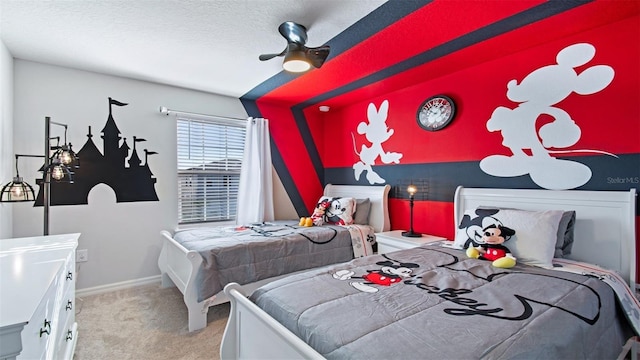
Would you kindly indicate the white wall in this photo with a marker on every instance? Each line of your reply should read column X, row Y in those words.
column 6, row 136
column 122, row 238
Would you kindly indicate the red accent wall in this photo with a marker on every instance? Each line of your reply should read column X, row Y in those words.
column 475, row 76
column 288, row 140
column 609, row 119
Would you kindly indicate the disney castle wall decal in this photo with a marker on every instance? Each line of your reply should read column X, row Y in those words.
column 130, row 179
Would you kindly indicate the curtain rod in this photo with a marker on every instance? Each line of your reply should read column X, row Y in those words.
column 165, row 111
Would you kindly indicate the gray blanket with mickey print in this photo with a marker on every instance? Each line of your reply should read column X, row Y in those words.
column 435, row 303
column 251, row 253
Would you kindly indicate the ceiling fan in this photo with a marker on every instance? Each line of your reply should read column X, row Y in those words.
column 298, row 57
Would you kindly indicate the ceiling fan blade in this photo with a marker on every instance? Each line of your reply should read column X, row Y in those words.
column 265, row 57
column 318, row 55
column 293, row 32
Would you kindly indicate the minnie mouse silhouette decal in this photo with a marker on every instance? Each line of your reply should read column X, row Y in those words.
column 539, row 93
column 377, row 132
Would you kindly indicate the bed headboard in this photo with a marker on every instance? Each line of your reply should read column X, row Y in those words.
column 378, row 195
column 604, row 233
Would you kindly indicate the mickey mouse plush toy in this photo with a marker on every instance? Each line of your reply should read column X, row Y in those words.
column 493, row 236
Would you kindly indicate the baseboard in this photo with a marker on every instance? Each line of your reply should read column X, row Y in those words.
column 118, row 286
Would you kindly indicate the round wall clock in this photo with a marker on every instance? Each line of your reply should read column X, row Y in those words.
column 436, row 113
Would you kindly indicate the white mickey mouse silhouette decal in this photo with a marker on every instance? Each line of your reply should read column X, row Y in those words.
column 537, row 94
column 376, row 132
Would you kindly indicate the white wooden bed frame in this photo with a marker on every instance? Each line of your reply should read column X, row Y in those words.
column 604, row 219
column 179, row 265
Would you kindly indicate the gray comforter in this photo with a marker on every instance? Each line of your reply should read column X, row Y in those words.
column 262, row 251
column 435, row 303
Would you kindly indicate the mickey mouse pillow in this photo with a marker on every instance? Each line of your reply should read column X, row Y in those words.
column 334, row 210
column 535, row 236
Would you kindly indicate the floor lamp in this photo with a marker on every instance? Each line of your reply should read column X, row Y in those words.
column 57, row 167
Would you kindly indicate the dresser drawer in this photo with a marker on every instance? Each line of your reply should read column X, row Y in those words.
column 37, row 334
column 67, row 338
column 67, row 345
column 70, row 272
column 66, row 318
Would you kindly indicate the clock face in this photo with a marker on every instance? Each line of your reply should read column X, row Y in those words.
column 436, row 113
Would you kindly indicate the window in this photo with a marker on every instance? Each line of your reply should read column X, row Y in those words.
column 209, row 161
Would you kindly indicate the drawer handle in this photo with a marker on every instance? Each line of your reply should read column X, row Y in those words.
column 47, row 328
column 69, row 335
column 69, row 275
column 69, row 305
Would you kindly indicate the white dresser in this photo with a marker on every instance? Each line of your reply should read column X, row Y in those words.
column 37, row 297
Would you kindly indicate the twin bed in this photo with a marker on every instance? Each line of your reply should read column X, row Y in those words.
column 201, row 261
column 435, row 302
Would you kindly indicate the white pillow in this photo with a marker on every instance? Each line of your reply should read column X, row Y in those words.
column 536, row 232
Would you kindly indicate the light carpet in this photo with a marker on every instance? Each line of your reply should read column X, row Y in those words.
column 145, row 322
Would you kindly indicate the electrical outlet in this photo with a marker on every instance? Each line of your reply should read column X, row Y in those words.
column 82, row 255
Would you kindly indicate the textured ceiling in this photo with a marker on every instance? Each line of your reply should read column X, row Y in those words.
column 211, row 46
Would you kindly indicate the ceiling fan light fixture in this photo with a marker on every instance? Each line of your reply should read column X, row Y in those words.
column 298, row 57
column 296, row 66
column 296, row 61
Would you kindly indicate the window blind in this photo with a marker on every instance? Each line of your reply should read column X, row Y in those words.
column 209, row 161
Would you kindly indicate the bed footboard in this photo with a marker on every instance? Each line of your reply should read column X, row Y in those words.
column 178, row 267
column 253, row 334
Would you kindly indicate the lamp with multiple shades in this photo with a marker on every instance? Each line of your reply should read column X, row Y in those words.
column 58, row 166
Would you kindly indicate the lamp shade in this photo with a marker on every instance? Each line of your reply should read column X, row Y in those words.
column 296, row 61
column 59, row 172
column 65, row 155
column 69, row 157
column 16, row 191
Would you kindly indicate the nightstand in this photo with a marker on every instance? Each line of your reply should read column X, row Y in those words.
column 393, row 240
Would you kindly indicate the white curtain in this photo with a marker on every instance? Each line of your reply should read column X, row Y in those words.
column 255, row 193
